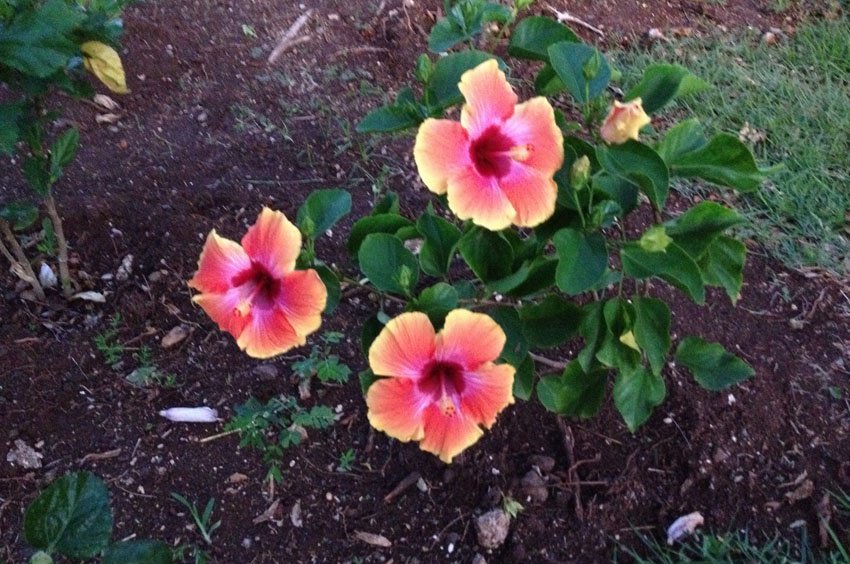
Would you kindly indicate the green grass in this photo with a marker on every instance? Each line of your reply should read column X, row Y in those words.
column 797, row 92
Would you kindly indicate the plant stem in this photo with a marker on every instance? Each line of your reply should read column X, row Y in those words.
column 22, row 260
column 548, row 362
column 64, row 273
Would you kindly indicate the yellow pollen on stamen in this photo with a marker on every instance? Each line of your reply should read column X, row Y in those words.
column 447, row 406
column 522, row 153
column 244, row 308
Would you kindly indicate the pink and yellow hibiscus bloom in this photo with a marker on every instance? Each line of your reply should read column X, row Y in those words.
column 253, row 291
column 441, row 388
column 623, row 122
column 497, row 164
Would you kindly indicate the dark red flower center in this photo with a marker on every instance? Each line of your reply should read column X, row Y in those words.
column 262, row 289
column 491, row 152
column 443, row 381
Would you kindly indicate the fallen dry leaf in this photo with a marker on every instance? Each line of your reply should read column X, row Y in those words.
column 100, row 455
column 373, row 539
column 106, row 102
column 268, row 514
column 824, row 511
column 107, row 118
column 237, row 478
column 803, row 492
column 177, row 334
column 24, row 456
column 684, row 526
column 90, row 296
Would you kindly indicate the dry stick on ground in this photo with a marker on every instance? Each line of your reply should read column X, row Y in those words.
column 572, row 475
column 568, row 17
column 22, row 260
column 288, row 39
column 402, row 486
column 64, row 273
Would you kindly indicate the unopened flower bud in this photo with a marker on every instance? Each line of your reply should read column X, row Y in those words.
column 580, row 173
column 624, row 122
column 655, row 240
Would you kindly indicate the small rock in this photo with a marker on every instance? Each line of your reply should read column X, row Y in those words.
column 493, row 528
column 770, row 38
column 534, row 487
column 24, row 456
column 545, row 463
column 177, row 334
column 203, row 117
column 266, row 371
column 124, row 270
column 478, row 559
column 684, row 526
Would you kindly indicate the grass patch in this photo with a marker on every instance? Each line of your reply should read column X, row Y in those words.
column 797, row 93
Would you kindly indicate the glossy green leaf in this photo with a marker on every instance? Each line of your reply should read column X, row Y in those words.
column 381, row 223
column 723, row 265
column 613, row 351
column 532, row 37
column 695, row 229
column 582, row 260
column 442, row 90
column 445, row 35
column 331, row 283
column 436, row 301
column 37, row 174
column 639, row 164
column 10, row 114
column 439, row 240
column 322, row 209
column 19, row 215
column 592, row 330
column 366, row 378
column 63, row 151
column 661, row 83
column 372, row 327
column 389, row 118
column 38, row 41
column 712, row 366
column 547, row 82
column 138, row 552
column 524, row 379
column 636, row 393
column 540, row 277
column 487, row 253
column 574, row 393
column 388, row 264
column 583, row 69
column 516, row 347
column 673, row 265
column 551, row 322
column 652, row 330
column 71, row 516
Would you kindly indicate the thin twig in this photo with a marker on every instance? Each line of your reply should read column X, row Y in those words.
column 218, row 436
column 288, row 38
column 356, row 50
column 548, row 362
column 64, row 273
column 568, row 17
column 23, row 261
column 402, row 486
column 572, row 475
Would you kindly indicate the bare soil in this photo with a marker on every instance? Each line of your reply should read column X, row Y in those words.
column 211, row 133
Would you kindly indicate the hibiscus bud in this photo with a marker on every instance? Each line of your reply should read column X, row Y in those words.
column 190, row 414
column 655, row 240
column 624, row 122
column 580, row 173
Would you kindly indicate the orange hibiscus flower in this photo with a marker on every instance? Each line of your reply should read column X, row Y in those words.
column 441, row 387
column 497, row 164
column 253, row 291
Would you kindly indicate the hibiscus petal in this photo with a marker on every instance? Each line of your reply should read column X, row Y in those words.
column 488, row 391
column 533, row 124
column 274, row 242
column 268, row 333
column 302, row 298
column 395, row 408
column 490, row 100
column 479, row 198
column 223, row 309
column 221, row 260
column 448, row 435
column 531, row 193
column 441, row 149
column 403, row 347
column 470, row 339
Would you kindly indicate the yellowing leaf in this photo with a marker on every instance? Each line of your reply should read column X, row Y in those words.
column 105, row 63
column 628, row 339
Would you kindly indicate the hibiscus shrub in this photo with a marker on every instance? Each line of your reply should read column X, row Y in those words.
column 525, row 246
column 46, row 46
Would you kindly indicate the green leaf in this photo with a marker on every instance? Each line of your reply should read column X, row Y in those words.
column 592, row 330
column 618, row 189
column 372, row 327
column 652, row 330
column 547, row 82
column 551, row 322
column 63, row 151
column 37, row 42
column 367, row 378
column 683, row 138
column 445, row 35
column 487, row 253
column 322, row 209
column 583, row 69
column 712, row 366
column 380, row 223
column 575, row 393
column 19, row 214
column 72, row 517
column 332, row 370
column 613, row 351
column 516, row 347
column 582, row 260
column 442, row 90
column 673, row 265
column 10, row 114
column 138, row 552
column 389, row 204
column 661, row 83
column 388, row 264
column 524, row 379
column 540, row 276
column 37, row 175
column 723, row 265
column 438, row 246
column 639, row 164
column 695, row 229
column 636, row 393
column 389, row 118
column 532, row 37
column 436, row 301
column 331, row 283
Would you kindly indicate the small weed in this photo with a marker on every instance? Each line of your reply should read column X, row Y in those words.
column 202, row 520
column 511, row 506
column 346, row 461
column 248, row 31
column 273, row 427
column 148, row 373
column 48, row 242
column 322, row 364
column 107, row 342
